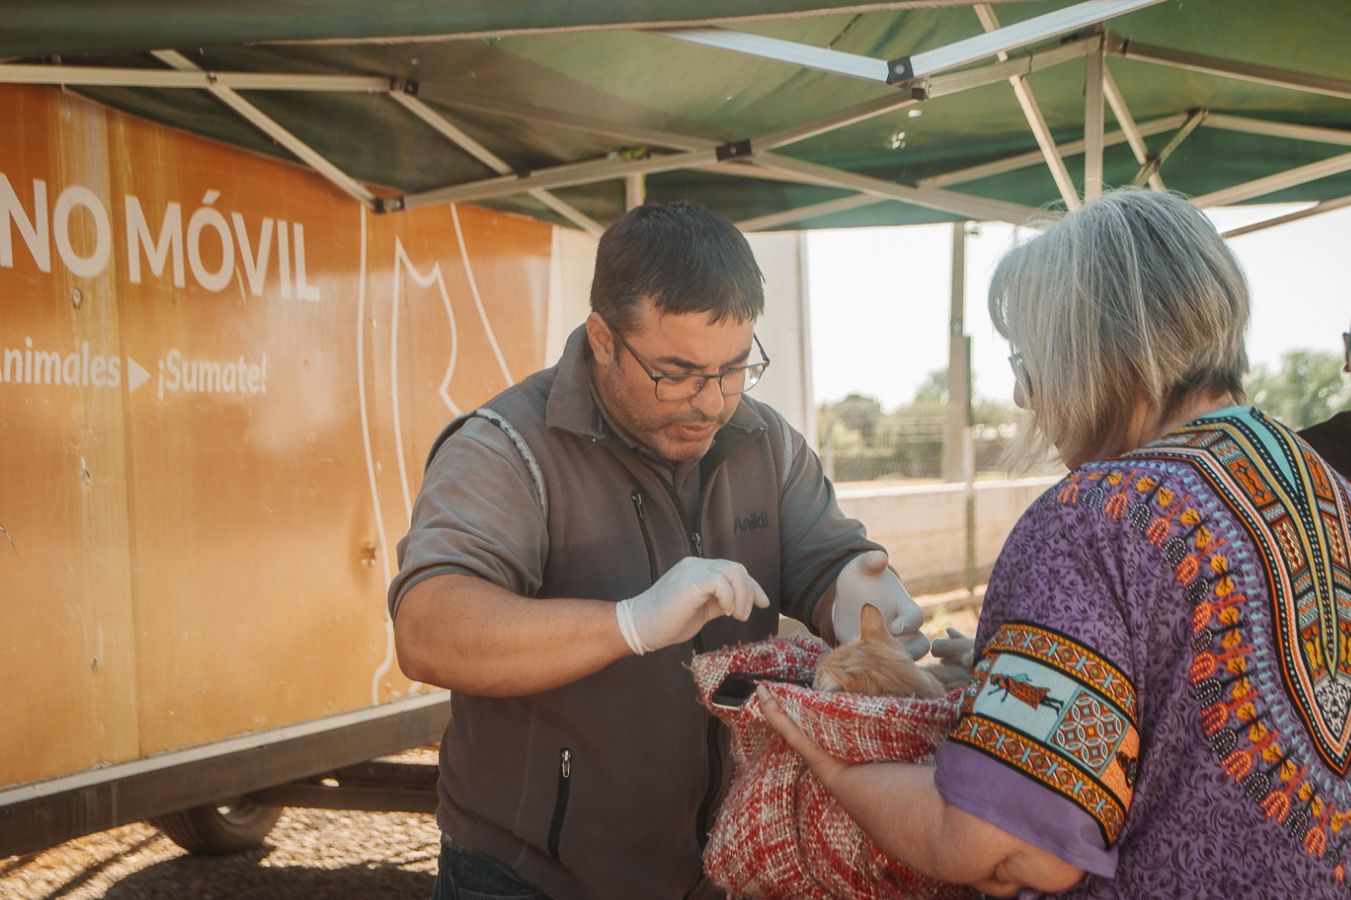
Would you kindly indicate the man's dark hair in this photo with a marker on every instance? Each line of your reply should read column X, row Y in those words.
column 684, row 257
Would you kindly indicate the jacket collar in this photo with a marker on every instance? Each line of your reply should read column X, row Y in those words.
column 572, row 404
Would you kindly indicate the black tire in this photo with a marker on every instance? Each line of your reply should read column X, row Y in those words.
column 231, row 826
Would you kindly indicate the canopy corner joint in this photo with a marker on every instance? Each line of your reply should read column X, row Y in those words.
column 900, row 69
column 734, row 150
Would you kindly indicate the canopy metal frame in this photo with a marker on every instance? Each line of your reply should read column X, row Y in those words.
column 1018, row 50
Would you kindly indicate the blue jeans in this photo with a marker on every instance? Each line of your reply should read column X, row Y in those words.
column 463, row 875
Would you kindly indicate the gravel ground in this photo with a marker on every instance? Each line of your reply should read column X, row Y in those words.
column 312, row 854
column 319, row 854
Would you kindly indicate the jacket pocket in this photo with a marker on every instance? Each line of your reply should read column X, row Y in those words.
column 560, row 800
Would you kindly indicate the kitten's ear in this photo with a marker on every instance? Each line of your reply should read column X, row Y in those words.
column 872, row 627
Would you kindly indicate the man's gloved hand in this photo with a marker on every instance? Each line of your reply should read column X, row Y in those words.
column 956, row 654
column 692, row 592
column 955, row 650
column 866, row 579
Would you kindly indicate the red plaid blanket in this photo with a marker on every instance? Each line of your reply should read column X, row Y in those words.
column 779, row 834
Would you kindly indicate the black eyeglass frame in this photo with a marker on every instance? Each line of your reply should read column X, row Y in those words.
column 699, row 379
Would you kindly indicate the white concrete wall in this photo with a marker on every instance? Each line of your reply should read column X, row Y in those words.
column 923, row 527
column 785, row 330
column 574, row 262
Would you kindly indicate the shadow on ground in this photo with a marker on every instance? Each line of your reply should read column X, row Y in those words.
column 244, row 877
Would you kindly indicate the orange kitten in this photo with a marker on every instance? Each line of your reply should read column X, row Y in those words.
column 876, row 663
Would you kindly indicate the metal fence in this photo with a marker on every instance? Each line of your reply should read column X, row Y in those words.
column 911, row 452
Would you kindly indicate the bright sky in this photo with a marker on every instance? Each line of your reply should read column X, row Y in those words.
column 879, row 299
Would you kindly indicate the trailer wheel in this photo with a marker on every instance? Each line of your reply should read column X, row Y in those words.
column 231, row 826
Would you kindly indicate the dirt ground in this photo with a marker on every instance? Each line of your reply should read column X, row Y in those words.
column 318, row 854
column 311, row 854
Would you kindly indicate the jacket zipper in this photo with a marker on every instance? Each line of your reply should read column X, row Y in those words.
column 712, row 739
column 712, row 736
column 561, row 802
column 637, row 497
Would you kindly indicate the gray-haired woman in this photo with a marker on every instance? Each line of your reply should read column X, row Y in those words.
column 1162, row 694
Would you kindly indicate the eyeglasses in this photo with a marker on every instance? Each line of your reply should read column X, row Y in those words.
column 682, row 387
column 1020, row 374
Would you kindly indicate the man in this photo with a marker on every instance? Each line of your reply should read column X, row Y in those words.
column 1332, row 439
column 579, row 538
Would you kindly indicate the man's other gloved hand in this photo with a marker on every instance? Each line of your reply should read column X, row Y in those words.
column 955, row 650
column 692, row 592
column 866, row 579
column 956, row 654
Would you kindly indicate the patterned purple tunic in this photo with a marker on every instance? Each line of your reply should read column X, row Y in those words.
column 1164, row 671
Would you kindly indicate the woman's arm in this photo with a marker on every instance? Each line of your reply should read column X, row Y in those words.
column 899, row 807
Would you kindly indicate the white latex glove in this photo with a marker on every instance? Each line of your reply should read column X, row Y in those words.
column 956, row 650
column 866, row 579
column 692, row 592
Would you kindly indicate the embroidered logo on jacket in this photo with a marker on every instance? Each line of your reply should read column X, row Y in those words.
column 751, row 522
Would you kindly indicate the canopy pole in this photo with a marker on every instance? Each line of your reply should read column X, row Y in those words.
column 618, row 131
column 1228, row 68
column 194, row 78
column 1094, row 120
column 635, row 191
column 1314, row 133
column 1035, row 121
column 457, row 136
column 1033, row 157
column 1151, row 166
column 956, row 176
column 956, row 415
column 919, row 65
column 1128, row 127
column 1316, row 210
column 565, row 175
column 344, row 182
column 1278, row 182
column 798, row 214
column 965, row 205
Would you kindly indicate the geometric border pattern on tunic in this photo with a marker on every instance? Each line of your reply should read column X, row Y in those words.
column 1085, row 745
column 1289, row 758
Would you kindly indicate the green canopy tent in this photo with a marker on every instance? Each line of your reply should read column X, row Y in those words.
column 800, row 114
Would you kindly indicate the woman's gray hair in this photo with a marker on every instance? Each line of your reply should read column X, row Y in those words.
column 1134, row 296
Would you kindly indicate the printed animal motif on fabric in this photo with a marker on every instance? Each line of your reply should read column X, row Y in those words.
column 1058, row 711
column 1268, row 577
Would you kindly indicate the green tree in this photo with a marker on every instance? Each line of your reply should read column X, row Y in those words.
column 933, row 391
column 857, row 412
column 1308, row 387
column 932, row 395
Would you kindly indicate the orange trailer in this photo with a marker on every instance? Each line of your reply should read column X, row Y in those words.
column 218, row 381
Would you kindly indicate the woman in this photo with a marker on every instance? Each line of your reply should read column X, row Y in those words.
column 1163, row 675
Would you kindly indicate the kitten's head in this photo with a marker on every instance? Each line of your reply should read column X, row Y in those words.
column 876, row 663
